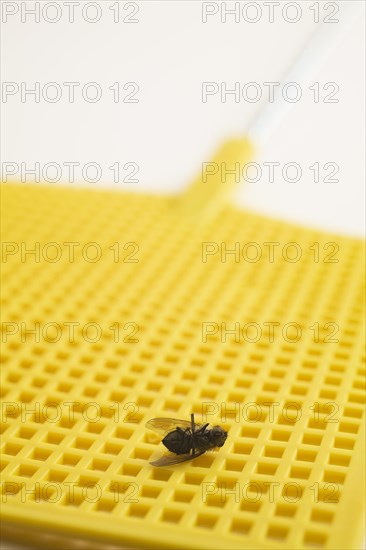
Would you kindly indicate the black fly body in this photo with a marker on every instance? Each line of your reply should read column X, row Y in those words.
column 185, row 440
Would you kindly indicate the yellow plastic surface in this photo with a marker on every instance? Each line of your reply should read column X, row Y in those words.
column 170, row 371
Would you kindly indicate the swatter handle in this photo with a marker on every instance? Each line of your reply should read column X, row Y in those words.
column 218, row 178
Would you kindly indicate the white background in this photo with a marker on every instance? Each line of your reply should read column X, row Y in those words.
column 170, row 131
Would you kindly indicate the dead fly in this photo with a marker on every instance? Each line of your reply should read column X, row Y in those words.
column 185, row 440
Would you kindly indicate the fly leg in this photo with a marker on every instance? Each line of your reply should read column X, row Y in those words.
column 192, row 437
column 201, row 429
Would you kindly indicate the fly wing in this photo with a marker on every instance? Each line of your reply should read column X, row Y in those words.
column 165, row 425
column 168, row 459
